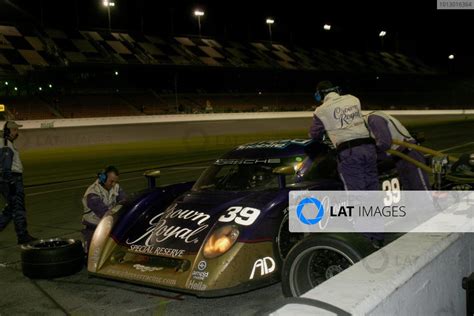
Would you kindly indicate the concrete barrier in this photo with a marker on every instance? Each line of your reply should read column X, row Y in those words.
column 418, row 274
column 182, row 118
column 212, row 128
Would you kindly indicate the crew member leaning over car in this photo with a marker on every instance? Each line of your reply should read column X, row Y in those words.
column 100, row 196
column 341, row 118
column 384, row 128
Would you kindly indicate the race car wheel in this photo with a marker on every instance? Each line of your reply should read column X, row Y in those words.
column 314, row 260
column 285, row 239
column 51, row 258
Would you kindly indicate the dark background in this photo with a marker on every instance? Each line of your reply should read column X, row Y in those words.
column 413, row 27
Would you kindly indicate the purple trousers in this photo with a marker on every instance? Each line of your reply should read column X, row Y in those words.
column 357, row 167
column 412, row 177
column 87, row 233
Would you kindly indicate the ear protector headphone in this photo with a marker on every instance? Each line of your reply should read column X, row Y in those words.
column 319, row 94
column 102, row 175
column 6, row 130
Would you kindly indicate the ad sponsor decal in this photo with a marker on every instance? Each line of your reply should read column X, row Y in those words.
column 202, row 265
column 221, row 162
column 262, row 267
column 133, row 275
column 158, row 251
column 278, row 144
column 201, row 274
column 346, row 115
column 195, row 285
column 160, row 231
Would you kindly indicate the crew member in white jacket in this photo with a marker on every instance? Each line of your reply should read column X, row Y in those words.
column 100, row 196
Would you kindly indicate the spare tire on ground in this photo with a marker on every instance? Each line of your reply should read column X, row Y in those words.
column 52, row 258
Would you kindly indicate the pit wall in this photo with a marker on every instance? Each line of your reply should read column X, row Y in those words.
column 57, row 133
column 418, row 274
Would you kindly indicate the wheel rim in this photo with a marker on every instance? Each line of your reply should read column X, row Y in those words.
column 49, row 243
column 315, row 265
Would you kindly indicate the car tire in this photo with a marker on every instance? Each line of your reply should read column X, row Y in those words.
column 318, row 257
column 52, row 258
column 284, row 239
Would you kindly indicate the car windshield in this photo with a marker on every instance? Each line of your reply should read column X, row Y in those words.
column 245, row 174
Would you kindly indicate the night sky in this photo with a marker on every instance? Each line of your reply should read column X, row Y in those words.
column 414, row 27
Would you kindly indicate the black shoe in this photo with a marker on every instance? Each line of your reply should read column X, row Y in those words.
column 23, row 239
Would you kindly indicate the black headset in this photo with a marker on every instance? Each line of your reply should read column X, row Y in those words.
column 102, row 175
column 320, row 94
column 6, row 134
column 6, row 130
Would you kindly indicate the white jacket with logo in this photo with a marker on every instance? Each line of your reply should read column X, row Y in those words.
column 342, row 118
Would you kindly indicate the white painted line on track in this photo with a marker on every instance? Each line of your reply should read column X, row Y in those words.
column 177, row 169
column 185, row 168
column 458, row 146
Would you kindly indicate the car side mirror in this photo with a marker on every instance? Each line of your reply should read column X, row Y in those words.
column 151, row 176
column 282, row 172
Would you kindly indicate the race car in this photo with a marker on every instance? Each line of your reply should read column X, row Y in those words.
column 225, row 233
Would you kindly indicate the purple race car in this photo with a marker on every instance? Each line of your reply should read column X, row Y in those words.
column 225, row 233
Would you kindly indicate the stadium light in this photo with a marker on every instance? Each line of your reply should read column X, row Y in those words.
column 109, row 4
column 50, row 86
column 451, row 56
column 327, row 27
column 16, row 89
column 270, row 22
column 382, row 36
column 199, row 13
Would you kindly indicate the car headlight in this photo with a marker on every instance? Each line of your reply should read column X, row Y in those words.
column 220, row 241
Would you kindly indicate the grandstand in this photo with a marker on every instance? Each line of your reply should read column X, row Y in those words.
column 101, row 73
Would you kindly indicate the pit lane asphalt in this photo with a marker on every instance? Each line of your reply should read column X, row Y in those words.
column 55, row 211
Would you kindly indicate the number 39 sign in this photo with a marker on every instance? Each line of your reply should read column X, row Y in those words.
column 240, row 215
column 393, row 194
